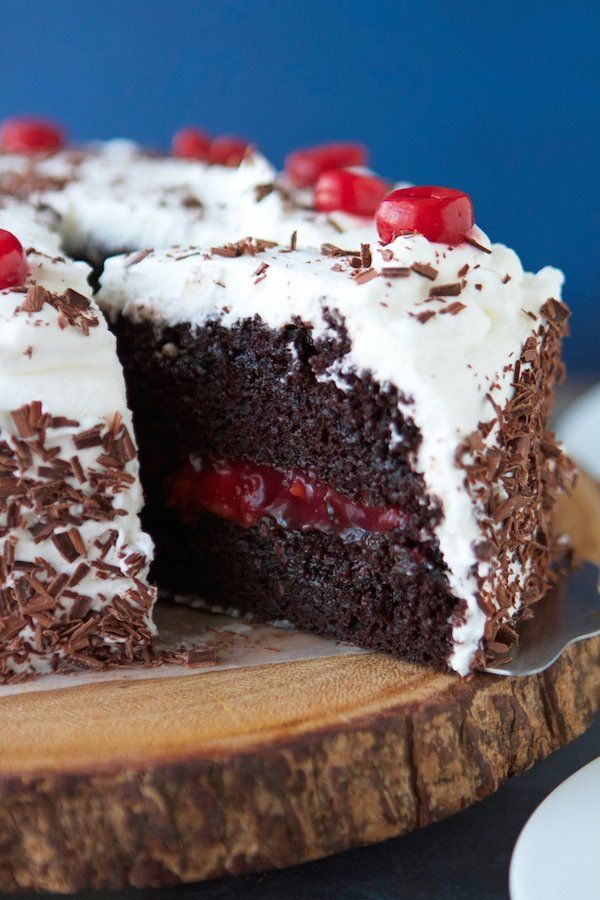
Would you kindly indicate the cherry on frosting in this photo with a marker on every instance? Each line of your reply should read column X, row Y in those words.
column 350, row 192
column 303, row 167
column 26, row 135
column 442, row 215
column 13, row 267
column 228, row 150
column 191, row 143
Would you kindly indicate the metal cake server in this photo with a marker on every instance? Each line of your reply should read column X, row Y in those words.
column 568, row 614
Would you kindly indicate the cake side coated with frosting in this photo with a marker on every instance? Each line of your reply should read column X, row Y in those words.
column 74, row 558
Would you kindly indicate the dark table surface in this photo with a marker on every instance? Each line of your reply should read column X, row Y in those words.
column 465, row 857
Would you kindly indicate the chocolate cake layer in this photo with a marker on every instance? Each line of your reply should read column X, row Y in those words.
column 253, row 393
column 382, row 592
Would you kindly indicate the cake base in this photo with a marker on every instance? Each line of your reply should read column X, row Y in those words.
column 163, row 781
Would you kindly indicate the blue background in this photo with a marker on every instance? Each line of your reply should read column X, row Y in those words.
column 501, row 99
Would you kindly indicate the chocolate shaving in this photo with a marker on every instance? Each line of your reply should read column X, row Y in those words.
column 452, row 308
column 69, row 544
column 35, row 298
column 26, row 419
column 395, row 271
column 331, row 250
column 189, row 201
column 365, row 275
column 246, row 247
column 446, row 290
column 555, row 311
column 474, row 243
column 423, row 317
column 425, row 270
column 137, row 258
column 197, row 656
column 73, row 308
column 261, row 269
column 263, row 190
column 90, row 438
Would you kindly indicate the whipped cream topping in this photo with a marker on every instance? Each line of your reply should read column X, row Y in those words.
column 75, row 376
column 114, row 196
column 445, row 325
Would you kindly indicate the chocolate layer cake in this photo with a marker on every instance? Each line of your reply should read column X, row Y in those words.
column 355, row 442
column 342, row 426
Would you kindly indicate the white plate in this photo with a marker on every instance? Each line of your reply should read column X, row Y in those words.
column 557, row 856
column 579, row 430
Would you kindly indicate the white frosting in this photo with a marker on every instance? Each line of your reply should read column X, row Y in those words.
column 119, row 197
column 74, row 376
column 79, row 373
column 447, row 365
column 122, row 199
column 62, row 165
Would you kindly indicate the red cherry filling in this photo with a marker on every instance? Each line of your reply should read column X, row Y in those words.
column 13, row 267
column 246, row 492
column 228, row 150
column 349, row 192
column 303, row 167
column 30, row 136
column 442, row 215
column 191, row 143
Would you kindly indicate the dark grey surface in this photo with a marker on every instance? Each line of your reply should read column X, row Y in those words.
column 465, row 857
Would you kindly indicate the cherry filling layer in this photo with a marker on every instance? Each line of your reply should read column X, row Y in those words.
column 245, row 492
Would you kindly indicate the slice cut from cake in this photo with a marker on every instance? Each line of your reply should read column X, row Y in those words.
column 73, row 558
column 355, row 440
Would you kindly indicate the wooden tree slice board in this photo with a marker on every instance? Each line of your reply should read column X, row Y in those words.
column 159, row 781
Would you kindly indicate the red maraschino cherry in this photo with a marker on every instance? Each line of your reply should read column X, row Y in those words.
column 228, row 150
column 351, row 192
column 191, row 143
column 26, row 135
column 303, row 167
column 246, row 492
column 13, row 267
column 442, row 215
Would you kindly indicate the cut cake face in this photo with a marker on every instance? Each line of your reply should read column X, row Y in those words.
column 348, row 435
column 458, row 350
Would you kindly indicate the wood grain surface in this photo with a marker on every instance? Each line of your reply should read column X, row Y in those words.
column 166, row 780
